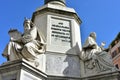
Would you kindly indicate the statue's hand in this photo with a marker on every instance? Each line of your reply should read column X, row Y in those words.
column 94, row 46
column 15, row 40
column 26, row 39
column 41, row 43
column 102, row 44
column 11, row 39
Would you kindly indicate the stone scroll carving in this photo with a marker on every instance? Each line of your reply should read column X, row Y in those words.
column 95, row 57
column 27, row 45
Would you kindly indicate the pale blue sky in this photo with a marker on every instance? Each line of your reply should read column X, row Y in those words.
column 100, row 16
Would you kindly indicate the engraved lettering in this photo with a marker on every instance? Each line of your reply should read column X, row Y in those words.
column 60, row 30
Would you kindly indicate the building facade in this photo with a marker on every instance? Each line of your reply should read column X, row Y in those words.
column 115, row 51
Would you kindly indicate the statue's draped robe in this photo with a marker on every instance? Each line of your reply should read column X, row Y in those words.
column 33, row 44
column 12, row 51
column 30, row 46
column 95, row 57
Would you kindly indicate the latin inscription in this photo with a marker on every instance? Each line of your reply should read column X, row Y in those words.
column 60, row 32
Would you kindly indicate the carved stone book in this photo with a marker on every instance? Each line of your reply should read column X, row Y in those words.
column 15, row 34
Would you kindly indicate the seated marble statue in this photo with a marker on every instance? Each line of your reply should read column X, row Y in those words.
column 95, row 56
column 27, row 45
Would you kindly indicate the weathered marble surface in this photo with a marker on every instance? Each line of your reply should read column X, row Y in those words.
column 61, row 29
column 95, row 59
column 21, row 69
column 27, row 45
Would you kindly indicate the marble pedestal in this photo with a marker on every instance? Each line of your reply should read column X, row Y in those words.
column 115, row 75
column 22, row 70
column 60, row 29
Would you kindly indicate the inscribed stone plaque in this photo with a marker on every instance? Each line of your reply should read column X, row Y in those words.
column 60, row 32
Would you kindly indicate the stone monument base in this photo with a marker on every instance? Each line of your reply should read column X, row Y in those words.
column 22, row 70
column 115, row 75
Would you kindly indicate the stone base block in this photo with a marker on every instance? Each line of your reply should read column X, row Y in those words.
column 22, row 70
column 104, row 76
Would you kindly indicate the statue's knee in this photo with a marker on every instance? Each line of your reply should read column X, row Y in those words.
column 26, row 47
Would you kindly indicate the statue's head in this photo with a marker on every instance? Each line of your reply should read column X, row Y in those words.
column 27, row 24
column 93, row 35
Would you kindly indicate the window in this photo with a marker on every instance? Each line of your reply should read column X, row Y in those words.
column 117, row 66
column 119, row 49
column 114, row 54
